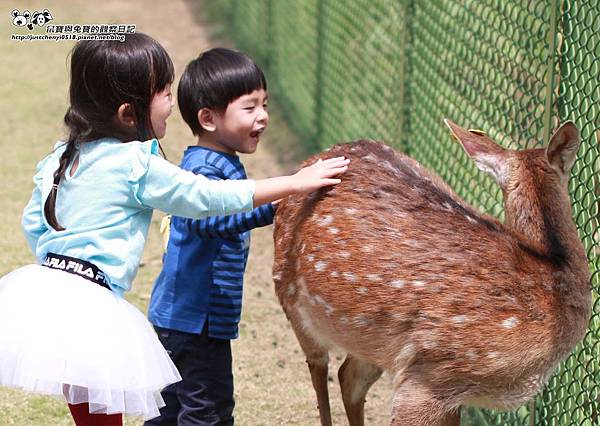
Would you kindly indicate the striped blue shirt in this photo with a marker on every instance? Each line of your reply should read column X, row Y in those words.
column 203, row 267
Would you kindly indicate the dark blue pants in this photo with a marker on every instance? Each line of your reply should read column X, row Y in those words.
column 205, row 395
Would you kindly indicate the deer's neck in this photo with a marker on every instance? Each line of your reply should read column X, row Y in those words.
column 548, row 233
column 548, row 229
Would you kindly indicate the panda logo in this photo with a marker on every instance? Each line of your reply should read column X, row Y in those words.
column 37, row 18
column 20, row 19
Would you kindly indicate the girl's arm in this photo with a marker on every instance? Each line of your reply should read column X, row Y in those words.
column 166, row 187
column 33, row 220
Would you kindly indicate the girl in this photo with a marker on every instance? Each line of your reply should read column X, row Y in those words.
column 66, row 329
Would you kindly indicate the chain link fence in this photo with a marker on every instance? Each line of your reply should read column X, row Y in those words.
column 392, row 69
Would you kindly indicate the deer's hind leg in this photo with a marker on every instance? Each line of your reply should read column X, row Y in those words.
column 356, row 378
column 414, row 404
column 317, row 358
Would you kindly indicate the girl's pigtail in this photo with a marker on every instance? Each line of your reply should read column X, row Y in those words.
column 79, row 129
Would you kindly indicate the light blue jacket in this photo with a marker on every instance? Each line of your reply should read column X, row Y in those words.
column 106, row 206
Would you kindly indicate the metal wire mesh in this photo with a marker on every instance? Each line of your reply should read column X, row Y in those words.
column 392, row 69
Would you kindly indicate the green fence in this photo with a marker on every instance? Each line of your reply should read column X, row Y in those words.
column 392, row 69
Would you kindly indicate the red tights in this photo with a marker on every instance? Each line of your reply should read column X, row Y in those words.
column 81, row 415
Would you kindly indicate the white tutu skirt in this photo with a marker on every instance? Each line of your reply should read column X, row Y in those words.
column 63, row 335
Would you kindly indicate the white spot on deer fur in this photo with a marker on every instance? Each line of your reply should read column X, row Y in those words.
column 344, row 254
column 291, row 290
column 350, row 210
column 470, row 219
column 418, row 283
column 367, row 248
column 334, row 274
column 471, row 354
column 362, row 321
column 277, row 276
column 370, row 157
column 510, row 322
column 320, row 266
column 399, row 316
column 459, row 319
column 429, row 344
column 310, row 257
column 318, row 299
column 447, row 206
column 397, row 283
column 333, row 231
column 349, row 276
column 302, row 248
column 374, row 277
column 362, row 290
column 493, row 355
column 325, row 220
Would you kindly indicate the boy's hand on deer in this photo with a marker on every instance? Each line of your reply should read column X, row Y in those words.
column 320, row 174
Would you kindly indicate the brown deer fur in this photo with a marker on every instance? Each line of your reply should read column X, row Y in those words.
column 402, row 274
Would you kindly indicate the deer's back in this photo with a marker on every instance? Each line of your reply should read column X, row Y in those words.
column 393, row 266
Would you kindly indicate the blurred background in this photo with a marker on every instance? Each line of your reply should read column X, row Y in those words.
column 338, row 70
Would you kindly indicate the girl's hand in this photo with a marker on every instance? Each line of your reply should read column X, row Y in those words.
column 320, row 174
column 306, row 180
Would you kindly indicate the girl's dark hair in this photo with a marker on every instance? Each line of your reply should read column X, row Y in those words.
column 105, row 75
column 214, row 80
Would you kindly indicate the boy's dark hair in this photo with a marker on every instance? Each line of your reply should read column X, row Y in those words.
column 104, row 75
column 214, row 80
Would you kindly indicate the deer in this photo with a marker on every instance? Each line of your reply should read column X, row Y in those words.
column 395, row 269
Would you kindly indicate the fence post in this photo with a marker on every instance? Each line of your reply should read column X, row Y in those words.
column 407, row 97
column 552, row 33
column 319, row 80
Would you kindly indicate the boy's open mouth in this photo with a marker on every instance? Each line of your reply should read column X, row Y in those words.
column 255, row 133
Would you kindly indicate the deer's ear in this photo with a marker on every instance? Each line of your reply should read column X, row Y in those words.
column 562, row 149
column 488, row 156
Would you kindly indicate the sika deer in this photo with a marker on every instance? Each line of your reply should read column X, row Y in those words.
column 394, row 268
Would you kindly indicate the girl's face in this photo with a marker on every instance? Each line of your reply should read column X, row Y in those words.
column 239, row 128
column 160, row 109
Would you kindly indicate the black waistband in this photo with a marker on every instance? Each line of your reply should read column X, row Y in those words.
column 75, row 266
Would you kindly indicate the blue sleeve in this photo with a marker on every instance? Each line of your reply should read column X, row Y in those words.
column 226, row 226
column 161, row 185
column 33, row 215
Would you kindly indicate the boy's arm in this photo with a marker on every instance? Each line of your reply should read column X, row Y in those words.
column 226, row 226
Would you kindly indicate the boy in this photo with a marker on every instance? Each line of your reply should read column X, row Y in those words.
column 196, row 300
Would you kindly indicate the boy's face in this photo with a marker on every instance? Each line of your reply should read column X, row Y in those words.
column 239, row 127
